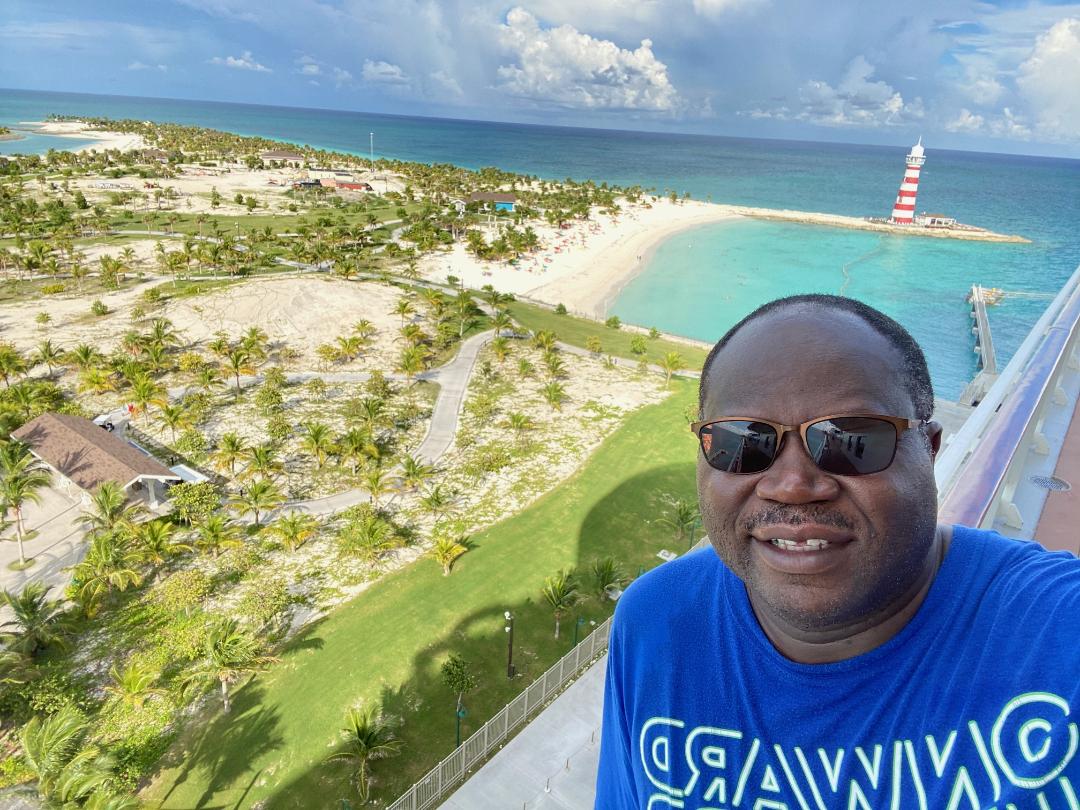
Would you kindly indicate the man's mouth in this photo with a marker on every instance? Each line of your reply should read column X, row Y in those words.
column 807, row 545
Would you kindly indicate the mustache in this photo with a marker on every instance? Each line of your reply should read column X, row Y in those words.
column 797, row 517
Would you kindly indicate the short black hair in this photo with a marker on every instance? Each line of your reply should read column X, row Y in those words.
column 916, row 374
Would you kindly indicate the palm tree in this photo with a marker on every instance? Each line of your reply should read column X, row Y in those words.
column 48, row 355
column 228, row 654
column 377, row 483
column 84, row 356
column 175, row 416
column 447, row 549
column 415, row 472
column 22, row 475
column 404, row 308
column 294, row 529
column 555, row 395
column 519, row 423
column 545, row 340
column 133, row 685
column 411, row 362
column 65, row 774
column 109, row 509
column 262, row 460
column 230, row 449
column 349, row 347
column 607, row 574
column 12, row 363
column 354, row 446
column 37, row 621
column 317, row 441
column 216, row 533
column 555, row 365
column 561, row 592
column 96, row 381
column 439, row 501
column 680, row 516
column 372, row 411
column 367, row 536
column 500, row 347
column 501, row 321
column 157, row 541
column 369, row 738
column 110, row 564
column 670, row 364
column 261, row 495
column 239, row 361
column 144, row 393
column 364, row 329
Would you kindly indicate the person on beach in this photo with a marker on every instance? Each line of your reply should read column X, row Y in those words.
column 836, row 647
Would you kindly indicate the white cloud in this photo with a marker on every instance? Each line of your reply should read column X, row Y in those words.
column 1009, row 125
column 565, row 67
column 979, row 82
column 966, row 121
column 1049, row 80
column 856, row 100
column 246, row 61
column 717, row 8
column 142, row 66
column 341, row 76
column 379, row 72
column 309, row 66
column 447, row 83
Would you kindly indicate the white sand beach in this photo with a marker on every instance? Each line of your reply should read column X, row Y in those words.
column 585, row 264
column 121, row 141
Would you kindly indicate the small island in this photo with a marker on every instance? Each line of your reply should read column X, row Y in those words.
column 7, row 135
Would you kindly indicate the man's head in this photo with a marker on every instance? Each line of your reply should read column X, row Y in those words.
column 791, row 361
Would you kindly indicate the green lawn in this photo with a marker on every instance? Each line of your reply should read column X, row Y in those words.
column 388, row 643
column 576, row 331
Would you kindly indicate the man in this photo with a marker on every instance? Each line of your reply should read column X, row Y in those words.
column 836, row 648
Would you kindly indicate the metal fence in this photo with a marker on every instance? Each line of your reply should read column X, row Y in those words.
column 452, row 770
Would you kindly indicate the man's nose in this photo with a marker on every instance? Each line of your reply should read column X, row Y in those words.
column 794, row 477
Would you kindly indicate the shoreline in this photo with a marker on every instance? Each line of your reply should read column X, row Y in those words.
column 103, row 139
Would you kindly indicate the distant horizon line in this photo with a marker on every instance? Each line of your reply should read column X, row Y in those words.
column 572, row 128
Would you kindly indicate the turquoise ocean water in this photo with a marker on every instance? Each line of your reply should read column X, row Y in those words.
column 702, row 281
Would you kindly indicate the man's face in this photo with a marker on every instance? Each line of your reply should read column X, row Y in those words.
column 791, row 366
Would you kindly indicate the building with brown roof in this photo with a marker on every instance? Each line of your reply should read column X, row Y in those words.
column 84, row 456
column 280, row 156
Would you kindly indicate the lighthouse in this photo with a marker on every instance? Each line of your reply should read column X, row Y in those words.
column 904, row 209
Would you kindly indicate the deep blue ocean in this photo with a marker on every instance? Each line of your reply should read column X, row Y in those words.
column 701, row 282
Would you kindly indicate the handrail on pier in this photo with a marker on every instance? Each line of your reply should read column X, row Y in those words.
column 985, row 341
column 978, row 472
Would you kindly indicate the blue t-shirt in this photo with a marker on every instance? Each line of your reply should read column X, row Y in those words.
column 975, row 703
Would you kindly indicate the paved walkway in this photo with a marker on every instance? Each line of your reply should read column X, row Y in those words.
column 552, row 763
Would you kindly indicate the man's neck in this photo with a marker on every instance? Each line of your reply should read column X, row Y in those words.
column 853, row 640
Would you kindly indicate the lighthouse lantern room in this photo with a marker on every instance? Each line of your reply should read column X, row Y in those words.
column 904, row 208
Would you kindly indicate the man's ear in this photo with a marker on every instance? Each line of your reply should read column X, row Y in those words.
column 933, row 433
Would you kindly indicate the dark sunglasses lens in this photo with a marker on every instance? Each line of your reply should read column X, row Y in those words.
column 739, row 446
column 852, row 445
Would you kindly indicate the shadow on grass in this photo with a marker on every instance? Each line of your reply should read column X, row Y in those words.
column 622, row 525
column 222, row 750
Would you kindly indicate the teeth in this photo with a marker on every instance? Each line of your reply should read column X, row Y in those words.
column 811, row 544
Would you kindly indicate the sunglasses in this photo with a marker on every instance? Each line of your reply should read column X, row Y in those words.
column 848, row 444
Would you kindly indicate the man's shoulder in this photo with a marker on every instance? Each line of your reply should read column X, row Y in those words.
column 670, row 588
column 1021, row 572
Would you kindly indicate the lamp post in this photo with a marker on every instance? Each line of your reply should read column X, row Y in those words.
column 509, row 643
column 371, row 152
column 458, row 715
column 578, row 625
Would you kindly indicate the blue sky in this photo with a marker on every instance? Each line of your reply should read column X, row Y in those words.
column 964, row 74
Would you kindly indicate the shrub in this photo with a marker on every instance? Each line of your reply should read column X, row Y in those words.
column 51, row 693
column 278, row 428
column 560, row 309
column 190, row 362
column 193, row 502
column 14, row 772
column 268, row 399
column 98, row 308
column 487, row 458
column 613, row 322
column 265, row 601
column 192, row 444
column 654, row 333
column 183, row 590
column 136, row 756
column 378, row 385
column 53, row 289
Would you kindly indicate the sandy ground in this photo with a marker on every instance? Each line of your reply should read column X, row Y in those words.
column 298, row 312
column 584, row 264
column 76, row 129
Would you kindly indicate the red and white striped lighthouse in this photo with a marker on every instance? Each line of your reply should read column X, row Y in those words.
column 903, row 212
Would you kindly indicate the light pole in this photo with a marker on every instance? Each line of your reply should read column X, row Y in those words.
column 509, row 643
column 577, row 625
column 371, row 152
column 459, row 714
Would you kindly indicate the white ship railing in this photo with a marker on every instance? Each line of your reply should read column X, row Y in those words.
column 475, row 750
column 978, row 472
